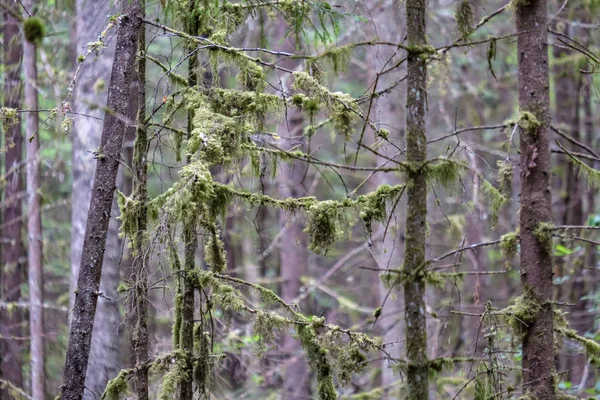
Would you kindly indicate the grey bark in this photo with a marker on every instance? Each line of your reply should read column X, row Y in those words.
column 34, row 221
column 536, row 198
column 107, row 166
column 11, row 243
column 416, row 213
column 90, row 99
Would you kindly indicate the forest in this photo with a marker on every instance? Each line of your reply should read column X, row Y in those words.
column 300, row 199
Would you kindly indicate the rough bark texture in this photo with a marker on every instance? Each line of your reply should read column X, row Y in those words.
column 190, row 240
column 88, row 283
column 34, row 221
column 90, row 100
column 11, row 243
column 536, row 204
column 416, row 225
column 138, row 273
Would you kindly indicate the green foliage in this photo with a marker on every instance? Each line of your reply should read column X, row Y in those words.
column 34, row 30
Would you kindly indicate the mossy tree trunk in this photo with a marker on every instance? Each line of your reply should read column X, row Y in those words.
column 108, row 159
column 416, row 223
column 536, row 202
column 190, row 240
column 34, row 219
column 11, row 245
column 138, row 273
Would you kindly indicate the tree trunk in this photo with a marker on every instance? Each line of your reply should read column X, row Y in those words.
column 190, row 240
column 138, row 273
column 108, row 156
column 89, row 103
column 536, row 202
column 416, row 225
column 11, row 228
column 34, row 221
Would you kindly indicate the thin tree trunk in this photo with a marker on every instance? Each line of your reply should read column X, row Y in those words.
column 109, row 153
column 34, row 221
column 89, row 103
column 190, row 240
column 416, row 225
column 12, row 224
column 138, row 274
column 536, row 202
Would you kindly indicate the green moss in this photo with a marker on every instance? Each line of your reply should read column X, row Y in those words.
column 34, row 30
column 8, row 118
column 214, row 253
column 464, row 18
column 509, row 245
column 339, row 57
column 372, row 206
column 171, row 380
column 592, row 348
column 543, row 233
column 445, row 172
column 523, row 311
column 267, row 325
column 323, row 226
column 496, row 198
column 529, row 122
column 352, row 360
column 317, row 360
column 505, row 177
column 117, row 386
column 592, row 175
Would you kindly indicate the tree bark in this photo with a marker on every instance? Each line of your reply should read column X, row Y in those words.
column 89, row 103
column 12, row 224
column 138, row 273
column 109, row 153
column 34, row 221
column 190, row 240
column 416, row 225
column 536, row 202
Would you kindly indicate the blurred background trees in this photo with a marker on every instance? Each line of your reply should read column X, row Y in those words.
column 364, row 199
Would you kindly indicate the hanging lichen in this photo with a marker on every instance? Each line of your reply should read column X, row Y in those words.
column 317, row 359
column 323, row 226
column 505, row 177
column 464, row 18
column 497, row 200
column 117, row 386
column 444, row 172
column 509, row 245
column 8, row 118
column 214, row 253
